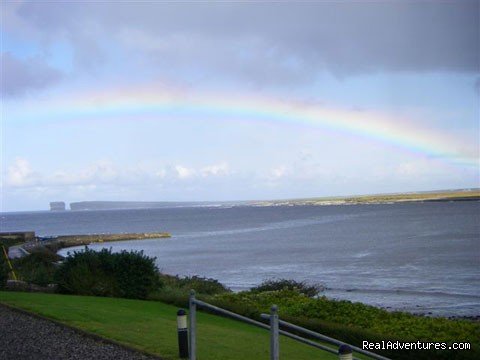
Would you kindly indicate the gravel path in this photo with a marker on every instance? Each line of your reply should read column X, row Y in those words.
column 23, row 336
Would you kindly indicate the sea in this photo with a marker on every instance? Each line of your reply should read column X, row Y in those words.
column 421, row 257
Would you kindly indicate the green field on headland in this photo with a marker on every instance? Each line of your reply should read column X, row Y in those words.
column 446, row 195
column 151, row 326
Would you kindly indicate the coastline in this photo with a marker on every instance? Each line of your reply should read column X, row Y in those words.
column 247, row 236
column 387, row 198
column 56, row 243
column 443, row 196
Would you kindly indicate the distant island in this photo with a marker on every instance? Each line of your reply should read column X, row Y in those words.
column 112, row 205
column 421, row 196
column 57, row 206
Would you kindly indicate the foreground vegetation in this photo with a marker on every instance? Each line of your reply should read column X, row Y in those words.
column 349, row 322
column 103, row 273
column 133, row 275
column 151, row 326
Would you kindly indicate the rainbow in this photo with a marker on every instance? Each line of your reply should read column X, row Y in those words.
column 402, row 133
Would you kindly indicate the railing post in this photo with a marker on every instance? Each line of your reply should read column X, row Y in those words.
column 192, row 314
column 345, row 352
column 274, row 343
column 182, row 332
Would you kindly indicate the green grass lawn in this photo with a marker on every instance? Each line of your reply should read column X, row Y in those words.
column 151, row 326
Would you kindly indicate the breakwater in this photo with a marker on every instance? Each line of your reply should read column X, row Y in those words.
column 56, row 243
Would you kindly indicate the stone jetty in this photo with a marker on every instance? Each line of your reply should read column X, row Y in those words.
column 56, row 243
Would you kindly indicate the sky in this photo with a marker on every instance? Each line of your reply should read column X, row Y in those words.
column 214, row 101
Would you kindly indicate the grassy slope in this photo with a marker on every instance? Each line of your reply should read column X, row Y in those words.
column 151, row 326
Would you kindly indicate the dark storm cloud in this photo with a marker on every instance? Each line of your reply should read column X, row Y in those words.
column 20, row 76
column 344, row 38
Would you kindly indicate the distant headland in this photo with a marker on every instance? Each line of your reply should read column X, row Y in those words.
column 113, row 205
column 420, row 196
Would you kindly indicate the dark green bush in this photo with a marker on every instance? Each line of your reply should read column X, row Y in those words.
column 201, row 285
column 172, row 296
column 38, row 267
column 284, row 284
column 103, row 273
column 136, row 274
column 175, row 290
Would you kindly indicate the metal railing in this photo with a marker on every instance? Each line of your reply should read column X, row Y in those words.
column 325, row 339
column 274, row 329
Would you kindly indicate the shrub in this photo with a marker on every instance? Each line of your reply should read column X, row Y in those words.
column 171, row 295
column 284, row 284
column 38, row 267
column 175, row 290
column 201, row 285
column 136, row 274
column 103, row 273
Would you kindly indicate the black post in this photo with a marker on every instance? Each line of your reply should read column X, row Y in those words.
column 182, row 334
column 345, row 352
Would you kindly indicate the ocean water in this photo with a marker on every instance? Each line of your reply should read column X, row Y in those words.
column 417, row 257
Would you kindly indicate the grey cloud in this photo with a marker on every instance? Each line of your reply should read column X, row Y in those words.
column 342, row 37
column 20, row 76
column 252, row 60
